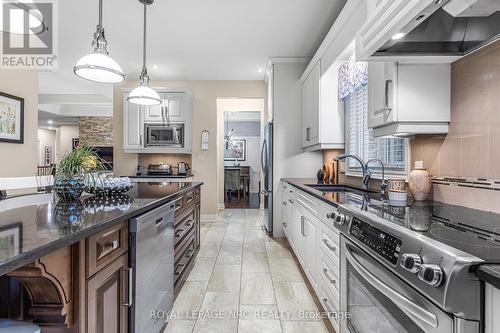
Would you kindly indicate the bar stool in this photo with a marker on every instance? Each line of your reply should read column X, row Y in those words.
column 15, row 326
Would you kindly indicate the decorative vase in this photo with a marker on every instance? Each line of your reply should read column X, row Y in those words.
column 68, row 188
column 320, row 175
column 420, row 182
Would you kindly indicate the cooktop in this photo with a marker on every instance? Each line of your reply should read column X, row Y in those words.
column 469, row 230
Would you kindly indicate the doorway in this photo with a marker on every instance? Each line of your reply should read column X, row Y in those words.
column 240, row 139
column 241, row 159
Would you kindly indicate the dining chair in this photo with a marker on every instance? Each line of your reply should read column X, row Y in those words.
column 232, row 182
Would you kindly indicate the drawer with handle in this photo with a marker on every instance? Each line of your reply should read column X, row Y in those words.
column 329, row 243
column 329, row 272
column 189, row 198
column 183, row 227
column 179, row 205
column 330, row 305
column 183, row 257
column 106, row 246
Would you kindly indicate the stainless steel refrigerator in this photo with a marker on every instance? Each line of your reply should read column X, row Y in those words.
column 266, row 161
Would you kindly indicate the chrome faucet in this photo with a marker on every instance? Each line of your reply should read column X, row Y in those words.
column 383, row 186
column 367, row 175
column 364, row 167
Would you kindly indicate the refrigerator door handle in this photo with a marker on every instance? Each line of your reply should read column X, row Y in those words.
column 262, row 156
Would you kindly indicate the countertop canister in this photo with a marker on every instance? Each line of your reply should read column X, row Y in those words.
column 420, row 182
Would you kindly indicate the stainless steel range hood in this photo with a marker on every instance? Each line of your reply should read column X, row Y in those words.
column 448, row 28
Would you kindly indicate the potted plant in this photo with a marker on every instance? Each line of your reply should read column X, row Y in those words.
column 72, row 170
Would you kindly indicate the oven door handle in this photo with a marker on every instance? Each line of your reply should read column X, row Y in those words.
column 404, row 303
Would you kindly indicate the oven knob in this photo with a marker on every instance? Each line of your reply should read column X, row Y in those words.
column 411, row 262
column 331, row 216
column 431, row 274
column 340, row 219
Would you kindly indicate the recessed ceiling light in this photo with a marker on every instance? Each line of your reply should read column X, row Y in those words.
column 50, row 121
column 398, row 35
column 260, row 70
column 155, row 66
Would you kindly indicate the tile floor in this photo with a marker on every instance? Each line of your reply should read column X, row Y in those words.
column 241, row 270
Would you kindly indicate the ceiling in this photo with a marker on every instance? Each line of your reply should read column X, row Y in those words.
column 51, row 121
column 187, row 40
column 198, row 39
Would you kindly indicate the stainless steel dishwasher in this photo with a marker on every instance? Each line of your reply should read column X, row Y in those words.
column 151, row 254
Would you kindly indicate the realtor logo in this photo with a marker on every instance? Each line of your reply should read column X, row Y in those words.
column 29, row 34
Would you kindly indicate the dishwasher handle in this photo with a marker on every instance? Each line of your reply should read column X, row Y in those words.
column 157, row 217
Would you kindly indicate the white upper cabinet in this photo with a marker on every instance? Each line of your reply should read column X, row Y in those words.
column 322, row 119
column 408, row 99
column 133, row 129
column 154, row 113
column 310, row 107
column 172, row 109
column 382, row 78
column 176, row 107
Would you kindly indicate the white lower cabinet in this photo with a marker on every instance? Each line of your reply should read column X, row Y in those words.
column 315, row 242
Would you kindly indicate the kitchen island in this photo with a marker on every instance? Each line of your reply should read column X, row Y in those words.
column 66, row 266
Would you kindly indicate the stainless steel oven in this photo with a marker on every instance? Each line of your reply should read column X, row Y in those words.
column 165, row 135
column 379, row 301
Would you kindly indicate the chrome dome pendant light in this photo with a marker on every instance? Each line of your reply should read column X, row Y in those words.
column 144, row 95
column 98, row 66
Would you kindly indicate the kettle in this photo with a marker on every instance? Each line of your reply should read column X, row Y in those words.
column 183, row 168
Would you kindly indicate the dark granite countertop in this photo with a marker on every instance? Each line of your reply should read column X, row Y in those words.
column 470, row 230
column 161, row 176
column 32, row 226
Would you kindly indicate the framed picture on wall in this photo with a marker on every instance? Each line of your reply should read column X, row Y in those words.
column 236, row 150
column 75, row 143
column 11, row 118
column 48, row 155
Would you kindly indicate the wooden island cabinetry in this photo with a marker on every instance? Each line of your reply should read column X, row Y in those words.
column 87, row 285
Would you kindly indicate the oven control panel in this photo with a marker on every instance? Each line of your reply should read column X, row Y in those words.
column 379, row 241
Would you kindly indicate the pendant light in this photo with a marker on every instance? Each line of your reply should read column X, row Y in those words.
column 144, row 95
column 98, row 66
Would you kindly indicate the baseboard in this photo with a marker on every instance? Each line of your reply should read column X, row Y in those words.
column 208, row 217
column 221, row 206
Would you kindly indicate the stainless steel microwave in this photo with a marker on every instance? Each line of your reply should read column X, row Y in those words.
column 169, row 136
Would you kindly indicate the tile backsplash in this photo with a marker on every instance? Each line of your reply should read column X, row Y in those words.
column 472, row 147
column 173, row 159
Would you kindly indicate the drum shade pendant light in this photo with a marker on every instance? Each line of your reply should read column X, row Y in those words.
column 144, row 95
column 98, row 66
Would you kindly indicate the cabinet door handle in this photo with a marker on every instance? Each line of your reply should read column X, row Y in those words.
column 290, row 201
column 141, row 139
column 330, row 279
column 167, row 109
column 284, row 203
column 385, row 109
column 284, row 224
column 302, row 226
column 327, row 244
column 130, row 299
column 387, row 84
column 308, row 134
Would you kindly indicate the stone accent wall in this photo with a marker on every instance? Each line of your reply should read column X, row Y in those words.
column 96, row 131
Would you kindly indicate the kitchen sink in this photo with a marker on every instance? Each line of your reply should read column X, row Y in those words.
column 339, row 188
